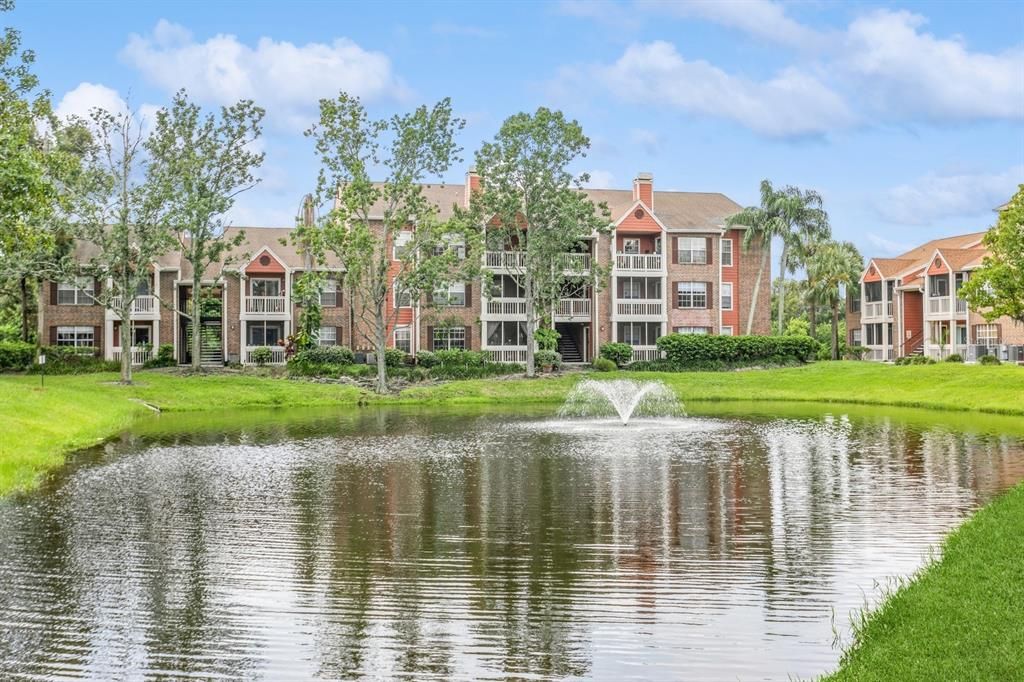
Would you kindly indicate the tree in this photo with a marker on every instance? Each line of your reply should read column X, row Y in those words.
column 997, row 287
column 836, row 266
column 790, row 214
column 536, row 208
column 204, row 161
column 387, row 234
column 118, row 209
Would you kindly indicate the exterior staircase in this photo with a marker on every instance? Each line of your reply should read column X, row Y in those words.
column 568, row 349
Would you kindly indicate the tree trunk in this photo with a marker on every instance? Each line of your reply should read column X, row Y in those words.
column 197, row 325
column 782, row 288
column 812, row 315
column 531, row 308
column 757, row 291
column 127, row 332
column 835, row 330
column 23, row 285
column 380, row 343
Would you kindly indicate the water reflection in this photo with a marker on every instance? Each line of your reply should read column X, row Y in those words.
column 430, row 544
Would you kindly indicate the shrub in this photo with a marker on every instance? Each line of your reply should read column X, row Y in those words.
column 465, row 358
column 426, row 359
column 547, row 358
column 491, row 369
column 262, row 355
column 604, row 365
column 989, row 360
column 16, row 355
column 685, row 350
column 395, row 357
column 324, row 355
column 954, row 357
column 855, row 352
column 619, row 353
column 547, row 338
column 71, row 360
column 164, row 357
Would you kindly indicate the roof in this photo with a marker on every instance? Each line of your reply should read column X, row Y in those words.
column 960, row 241
column 964, row 251
column 960, row 259
column 890, row 267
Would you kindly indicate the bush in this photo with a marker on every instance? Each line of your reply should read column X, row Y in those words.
column 604, row 365
column 395, row 357
column 954, row 357
column 262, row 355
column 547, row 358
column 491, row 369
column 855, row 352
column 324, row 355
column 426, row 359
column 685, row 350
column 619, row 353
column 16, row 355
column 547, row 338
column 914, row 360
column 71, row 360
column 989, row 360
column 164, row 357
column 463, row 358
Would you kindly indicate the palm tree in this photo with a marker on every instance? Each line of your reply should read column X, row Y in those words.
column 803, row 256
column 836, row 266
column 792, row 215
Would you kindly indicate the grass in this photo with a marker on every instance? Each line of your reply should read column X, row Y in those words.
column 961, row 618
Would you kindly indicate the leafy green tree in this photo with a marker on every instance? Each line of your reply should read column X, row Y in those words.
column 202, row 163
column 997, row 287
column 535, row 207
column 793, row 216
column 387, row 234
column 836, row 267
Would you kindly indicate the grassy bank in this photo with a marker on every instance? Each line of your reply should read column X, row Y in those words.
column 961, row 618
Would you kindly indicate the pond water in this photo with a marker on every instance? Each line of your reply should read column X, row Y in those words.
column 730, row 545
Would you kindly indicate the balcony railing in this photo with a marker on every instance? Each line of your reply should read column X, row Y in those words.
column 506, row 306
column 505, row 260
column 573, row 308
column 941, row 352
column 276, row 355
column 645, row 353
column 266, row 305
column 878, row 353
column 139, row 355
column 874, row 308
column 142, row 305
column 646, row 262
column 938, row 305
column 508, row 354
column 651, row 307
column 575, row 262
column 961, row 306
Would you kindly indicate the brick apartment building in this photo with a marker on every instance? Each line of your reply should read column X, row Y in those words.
column 908, row 305
column 674, row 267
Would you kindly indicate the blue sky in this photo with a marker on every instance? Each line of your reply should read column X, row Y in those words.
column 907, row 117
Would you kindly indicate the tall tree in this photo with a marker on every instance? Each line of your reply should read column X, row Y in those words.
column 997, row 287
column 536, row 208
column 791, row 215
column 387, row 233
column 204, row 162
column 119, row 211
column 836, row 267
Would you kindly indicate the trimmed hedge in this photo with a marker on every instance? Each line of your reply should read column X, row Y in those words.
column 989, row 360
column 16, row 355
column 619, row 353
column 395, row 357
column 685, row 350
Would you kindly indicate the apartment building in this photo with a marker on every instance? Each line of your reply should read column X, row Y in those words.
column 908, row 305
column 674, row 267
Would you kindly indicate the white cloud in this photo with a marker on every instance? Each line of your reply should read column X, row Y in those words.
column 604, row 12
column 934, row 197
column 285, row 78
column 761, row 18
column 88, row 96
column 887, row 247
column 648, row 140
column 446, row 28
column 791, row 104
column 600, row 179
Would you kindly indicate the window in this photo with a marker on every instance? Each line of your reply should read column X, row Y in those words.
column 657, row 245
column 938, row 285
column 693, row 250
column 264, row 333
column 449, row 338
column 726, row 249
column 630, row 246
column 142, row 336
column 855, row 337
column 403, row 299
column 506, row 334
column 986, row 334
column 451, row 241
column 694, row 330
column 726, row 295
column 506, row 286
column 854, row 301
column 639, row 288
column 726, row 331
column 265, row 287
column 78, row 292
column 632, row 288
column 402, row 241
column 692, row 295
column 327, row 336
column 143, row 289
column 453, row 296
column 79, row 337
column 639, row 333
column 872, row 292
column 874, row 334
column 403, row 339
column 329, row 295
column 960, row 334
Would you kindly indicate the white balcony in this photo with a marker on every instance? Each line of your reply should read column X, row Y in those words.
column 637, row 262
column 645, row 354
column 572, row 310
column 270, row 306
column 143, row 307
column 878, row 353
column 276, row 355
column 940, row 352
column 575, row 263
column 139, row 355
column 938, row 305
column 506, row 307
column 505, row 260
column 873, row 309
column 640, row 308
column 511, row 354
column 961, row 306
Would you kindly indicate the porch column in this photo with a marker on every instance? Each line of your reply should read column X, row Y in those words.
column 108, row 339
column 156, row 335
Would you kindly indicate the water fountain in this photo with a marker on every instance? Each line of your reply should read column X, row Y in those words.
column 622, row 397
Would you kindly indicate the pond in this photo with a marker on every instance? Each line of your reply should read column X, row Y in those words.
column 733, row 544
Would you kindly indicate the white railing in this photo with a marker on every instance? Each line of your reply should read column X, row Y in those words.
column 647, row 262
column 276, row 355
column 266, row 305
column 139, row 355
column 878, row 354
column 573, row 308
column 941, row 352
column 640, row 308
column 961, row 306
column 505, row 259
column 645, row 354
column 574, row 262
column 888, row 308
column 938, row 305
column 873, row 309
column 507, row 354
column 142, row 305
column 506, row 306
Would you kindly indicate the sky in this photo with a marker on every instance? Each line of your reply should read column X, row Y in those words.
column 907, row 117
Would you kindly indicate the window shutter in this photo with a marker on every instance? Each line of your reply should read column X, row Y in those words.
column 709, row 249
column 675, row 250
column 95, row 291
column 53, row 293
column 53, row 333
column 430, row 299
column 430, row 338
column 97, row 343
column 469, row 338
column 674, row 295
column 469, row 298
column 711, row 303
column 337, row 336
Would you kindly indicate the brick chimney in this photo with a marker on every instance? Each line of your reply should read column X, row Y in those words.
column 472, row 183
column 643, row 189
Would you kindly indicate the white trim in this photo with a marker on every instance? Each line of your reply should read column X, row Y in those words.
column 639, row 204
column 721, row 292
column 721, row 260
column 258, row 253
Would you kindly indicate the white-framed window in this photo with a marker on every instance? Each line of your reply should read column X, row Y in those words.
column 657, row 245
column 144, row 288
column 692, row 250
column 329, row 295
column 691, row 330
column 631, row 246
column 264, row 333
column 327, row 336
column 726, row 249
column 79, row 337
column 454, row 295
column 268, row 286
column 142, row 336
column 449, row 338
column 402, row 241
column 403, row 299
column 691, row 294
column 78, row 292
column 506, row 334
column 986, row 334
column 726, row 331
column 451, row 241
column 855, row 337
column 726, row 295
column 632, row 288
column 639, row 333
column 403, row 339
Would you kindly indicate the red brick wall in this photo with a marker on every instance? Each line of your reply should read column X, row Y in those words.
column 51, row 315
column 731, row 274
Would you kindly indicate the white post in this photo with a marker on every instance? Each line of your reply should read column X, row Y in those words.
column 108, row 339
